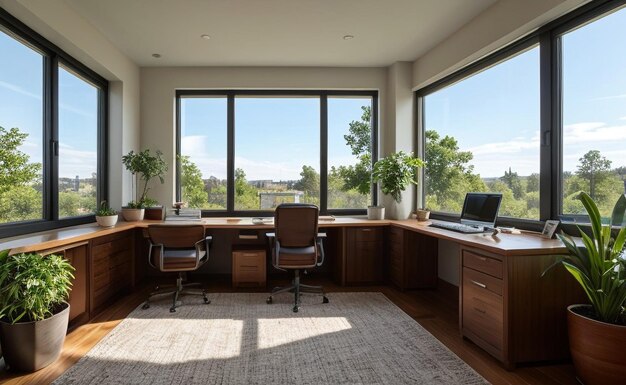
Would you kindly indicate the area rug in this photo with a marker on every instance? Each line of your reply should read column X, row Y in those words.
column 357, row 338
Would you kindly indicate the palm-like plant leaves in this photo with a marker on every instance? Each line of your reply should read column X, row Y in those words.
column 599, row 266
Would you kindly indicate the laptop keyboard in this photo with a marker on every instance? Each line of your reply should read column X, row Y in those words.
column 458, row 227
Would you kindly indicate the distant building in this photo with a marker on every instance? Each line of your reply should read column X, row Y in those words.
column 269, row 200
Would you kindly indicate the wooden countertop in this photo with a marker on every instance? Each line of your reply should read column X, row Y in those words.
column 504, row 244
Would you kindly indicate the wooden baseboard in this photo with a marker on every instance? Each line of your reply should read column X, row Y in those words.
column 449, row 290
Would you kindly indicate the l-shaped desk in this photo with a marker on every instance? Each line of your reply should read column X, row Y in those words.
column 505, row 306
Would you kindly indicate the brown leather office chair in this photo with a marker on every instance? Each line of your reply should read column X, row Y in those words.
column 296, row 245
column 177, row 248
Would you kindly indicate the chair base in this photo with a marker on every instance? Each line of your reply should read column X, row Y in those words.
column 176, row 291
column 297, row 288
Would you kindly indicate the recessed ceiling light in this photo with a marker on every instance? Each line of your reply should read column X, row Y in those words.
column 156, row 55
column 205, row 37
column 348, row 37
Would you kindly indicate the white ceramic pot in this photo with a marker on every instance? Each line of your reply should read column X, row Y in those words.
column 107, row 221
column 132, row 215
column 375, row 212
column 422, row 215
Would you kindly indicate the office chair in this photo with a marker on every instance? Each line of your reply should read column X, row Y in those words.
column 296, row 245
column 177, row 248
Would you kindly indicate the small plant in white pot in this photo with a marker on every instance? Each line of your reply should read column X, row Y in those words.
column 106, row 216
column 34, row 313
column 147, row 167
column 396, row 172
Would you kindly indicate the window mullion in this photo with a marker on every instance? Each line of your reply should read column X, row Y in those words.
column 324, row 152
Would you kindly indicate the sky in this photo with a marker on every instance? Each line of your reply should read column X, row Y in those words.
column 494, row 114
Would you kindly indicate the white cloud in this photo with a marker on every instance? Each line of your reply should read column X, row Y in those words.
column 622, row 118
column 610, row 97
column 19, row 90
column 586, row 132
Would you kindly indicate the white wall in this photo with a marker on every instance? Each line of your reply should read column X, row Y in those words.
column 501, row 24
column 158, row 86
column 61, row 25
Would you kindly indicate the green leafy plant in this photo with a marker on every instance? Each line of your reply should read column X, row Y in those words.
column 599, row 266
column 105, row 210
column 147, row 166
column 136, row 205
column 395, row 172
column 32, row 287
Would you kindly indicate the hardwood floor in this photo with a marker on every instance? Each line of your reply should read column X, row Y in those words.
column 435, row 310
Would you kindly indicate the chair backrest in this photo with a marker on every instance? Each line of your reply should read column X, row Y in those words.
column 296, row 224
column 176, row 236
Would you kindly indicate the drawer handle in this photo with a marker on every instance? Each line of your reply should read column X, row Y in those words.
column 478, row 284
column 480, row 310
column 484, row 259
column 366, row 229
column 249, row 254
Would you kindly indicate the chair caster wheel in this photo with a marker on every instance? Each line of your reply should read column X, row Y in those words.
column 268, row 300
column 145, row 306
column 206, row 301
column 172, row 310
column 295, row 309
column 325, row 299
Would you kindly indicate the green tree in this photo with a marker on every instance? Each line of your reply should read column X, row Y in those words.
column 594, row 168
column 15, row 168
column 246, row 195
column 532, row 182
column 192, row 185
column 309, row 184
column 359, row 138
column 448, row 174
column 514, row 183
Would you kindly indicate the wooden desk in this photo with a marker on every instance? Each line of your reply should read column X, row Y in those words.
column 505, row 306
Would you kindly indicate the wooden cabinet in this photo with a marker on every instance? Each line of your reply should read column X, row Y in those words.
column 249, row 268
column 411, row 259
column 111, row 267
column 510, row 310
column 364, row 255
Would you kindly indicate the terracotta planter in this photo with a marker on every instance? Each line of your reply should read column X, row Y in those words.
column 107, row 221
column 30, row 346
column 132, row 215
column 422, row 215
column 597, row 349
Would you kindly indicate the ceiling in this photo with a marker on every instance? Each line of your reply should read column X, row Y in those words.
column 277, row 32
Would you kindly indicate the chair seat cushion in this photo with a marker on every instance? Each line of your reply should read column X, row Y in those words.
column 180, row 259
column 297, row 257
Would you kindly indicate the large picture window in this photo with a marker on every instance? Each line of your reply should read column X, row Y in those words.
column 52, row 134
column 594, row 114
column 482, row 134
column 249, row 151
column 539, row 121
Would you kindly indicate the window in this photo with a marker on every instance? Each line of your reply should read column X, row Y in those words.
column 482, row 134
column 349, row 152
column 242, row 152
column 594, row 116
column 78, row 145
column 277, row 147
column 203, row 151
column 21, row 131
column 52, row 134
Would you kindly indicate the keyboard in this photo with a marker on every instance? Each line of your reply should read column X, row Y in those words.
column 458, row 227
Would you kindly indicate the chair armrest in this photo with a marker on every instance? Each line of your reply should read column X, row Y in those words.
column 321, row 235
column 270, row 235
column 320, row 246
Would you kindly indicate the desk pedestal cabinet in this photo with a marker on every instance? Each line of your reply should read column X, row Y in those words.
column 411, row 259
column 249, row 268
column 508, row 309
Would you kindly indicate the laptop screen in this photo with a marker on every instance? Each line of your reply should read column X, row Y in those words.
column 481, row 208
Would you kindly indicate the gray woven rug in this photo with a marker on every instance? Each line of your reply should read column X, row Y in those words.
column 358, row 338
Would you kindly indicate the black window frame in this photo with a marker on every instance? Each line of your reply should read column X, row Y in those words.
column 53, row 57
column 323, row 96
column 550, row 99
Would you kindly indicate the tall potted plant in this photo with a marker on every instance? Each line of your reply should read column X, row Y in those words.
column 147, row 167
column 34, row 313
column 396, row 172
column 597, row 332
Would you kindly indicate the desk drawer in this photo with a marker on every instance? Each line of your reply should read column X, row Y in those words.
column 249, row 267
column 482, row 281
column 367, row 234
column 483, row 313
column 484, row 264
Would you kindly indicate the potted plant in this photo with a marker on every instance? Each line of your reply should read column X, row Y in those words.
column 106, row 216
column 597, row 332
column 422, row 214
column 147, row 166
column 153, row 210
column 395, row 172
column 34, row 313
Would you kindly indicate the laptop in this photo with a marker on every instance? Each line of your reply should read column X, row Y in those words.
column 479, row 213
